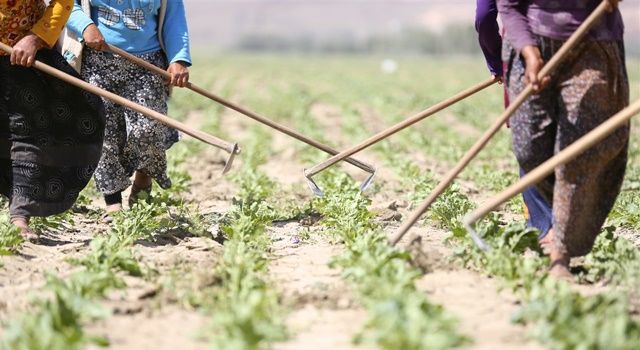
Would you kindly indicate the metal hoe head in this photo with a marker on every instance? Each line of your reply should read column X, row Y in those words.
column 319, row 193
column 235, row 150
column 477, row 240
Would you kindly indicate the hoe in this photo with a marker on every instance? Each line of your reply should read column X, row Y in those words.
column 548, row 69
column 231, row 148
column 545, row 169
column 261, row 119
column 309, row 173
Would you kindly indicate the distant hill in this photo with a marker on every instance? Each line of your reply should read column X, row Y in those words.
column 222, row 24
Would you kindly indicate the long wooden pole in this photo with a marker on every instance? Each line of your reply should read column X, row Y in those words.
column 202, row 136
column 563, row 157
column 261, row 119
column 399, row 127
column 548, row 69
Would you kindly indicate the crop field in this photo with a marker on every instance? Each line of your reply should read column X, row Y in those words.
column 251, row 260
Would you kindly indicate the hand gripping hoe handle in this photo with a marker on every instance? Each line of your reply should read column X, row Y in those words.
column 231, row 148
column 548, row 69
column 261, row 119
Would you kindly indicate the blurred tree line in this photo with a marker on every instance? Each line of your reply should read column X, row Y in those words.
column 455, row 39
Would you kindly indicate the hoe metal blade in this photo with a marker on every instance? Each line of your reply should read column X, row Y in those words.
column 313, row 185
column 317, row 191
column 235, row 150
column 477, row 240
column 368, row 181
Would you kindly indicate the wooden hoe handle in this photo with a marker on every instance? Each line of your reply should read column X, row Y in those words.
column 202, row 136
column 399, row 127
column 549, row 68
column 237, row 108
column 566, row 155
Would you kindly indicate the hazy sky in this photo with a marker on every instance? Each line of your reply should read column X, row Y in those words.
column 220, row 23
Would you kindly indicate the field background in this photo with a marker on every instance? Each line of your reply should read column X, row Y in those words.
column 252, row 261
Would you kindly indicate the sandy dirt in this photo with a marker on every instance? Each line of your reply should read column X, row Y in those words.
column 323, row 312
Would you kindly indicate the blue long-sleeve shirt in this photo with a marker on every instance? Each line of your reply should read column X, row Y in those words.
column 132, row 26
column 489, row 34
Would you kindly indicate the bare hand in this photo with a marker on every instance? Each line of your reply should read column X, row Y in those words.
column 534, row 63
column 179, row 74
column 94, row 39
column 24, row 52
column 497, row 78
column 613, row 4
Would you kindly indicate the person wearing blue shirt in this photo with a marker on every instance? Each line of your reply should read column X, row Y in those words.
column 156, row 31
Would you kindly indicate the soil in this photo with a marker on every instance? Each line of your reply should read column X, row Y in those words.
column 323, row 312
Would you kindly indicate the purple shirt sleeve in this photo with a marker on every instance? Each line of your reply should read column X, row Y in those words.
column 489, row 34
column 516, row 24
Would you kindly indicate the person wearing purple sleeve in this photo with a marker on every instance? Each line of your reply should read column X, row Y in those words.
column 589, row 87
column 489, row 35
column 538, row 210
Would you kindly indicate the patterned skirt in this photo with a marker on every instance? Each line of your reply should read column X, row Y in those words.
column 586, row 90
column 132, row 141
column 51, row 137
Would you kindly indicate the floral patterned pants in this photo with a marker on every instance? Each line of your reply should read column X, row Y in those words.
column 132, row 141
column 589, row 88
column 50, row 137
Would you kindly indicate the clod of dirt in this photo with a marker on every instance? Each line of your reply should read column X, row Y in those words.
column 128, row 308
column 147, row 293
column 423, row 257
column 310, row 219
column 394, row 205
column 386, row 214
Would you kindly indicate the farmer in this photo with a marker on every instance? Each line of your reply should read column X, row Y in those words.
column 587, row 89
column 50, row 132
column 538, row 210
column 133, row 143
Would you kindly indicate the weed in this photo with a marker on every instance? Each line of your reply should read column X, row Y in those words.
column 400, row 317
column 10, row 238
column 564, row 319
column 611, row 259
column 626, row 212
column 56, row 322
column 54, row 222
column 245, row 308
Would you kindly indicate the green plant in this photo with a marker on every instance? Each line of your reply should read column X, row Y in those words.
column 597, row 322
column 564, row 319
column 140, row 222
column 10, row 238
column 110, row 254
column 626, row 212
column 56, row 322
column 54, row 222
column 612, row 259
column 400, row 317
column 246, row 311
column 450, row 207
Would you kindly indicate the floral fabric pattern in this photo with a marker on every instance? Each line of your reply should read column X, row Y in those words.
column 50, row 138
column 132, row 141
column 589, row 88
column 17, row 17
